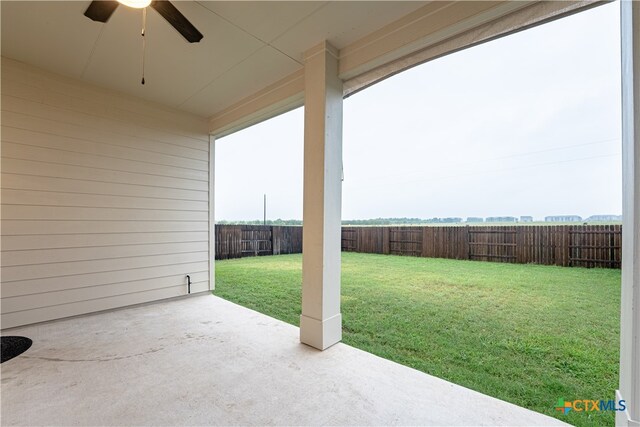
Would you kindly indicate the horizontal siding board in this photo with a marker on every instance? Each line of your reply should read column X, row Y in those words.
column 46, row 299
column 64, row 185
column 17, row 105
column 21, row 227
column 38, row 168
column 28, row 130
column 40, row 271
column 105, row 198
column 46, row 256
column 46, row 241
column 82, row 307
column 119, row 131
column 51, row 284
column 34, row 153
column 20, row 212
column 49, row 198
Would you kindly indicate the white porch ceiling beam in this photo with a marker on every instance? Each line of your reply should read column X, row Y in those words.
column 432, row 23
column 280, row 97
column 630, row 299
column 321, row 321
column 505, row 19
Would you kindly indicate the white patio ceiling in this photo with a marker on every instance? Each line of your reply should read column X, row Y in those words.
column 250, row 47
column 246, row 45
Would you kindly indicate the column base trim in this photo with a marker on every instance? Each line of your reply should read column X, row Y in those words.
column 623, row 418
column 320, row 334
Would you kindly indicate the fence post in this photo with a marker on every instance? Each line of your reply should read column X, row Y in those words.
column 237, row 242
column 468, row 242
column 385, row 240
column 569, row 248
column 274, row 241
column 425, row 241
column 565, row 245
column 519, row 244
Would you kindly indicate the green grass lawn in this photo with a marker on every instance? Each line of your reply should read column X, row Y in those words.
column 526, row 334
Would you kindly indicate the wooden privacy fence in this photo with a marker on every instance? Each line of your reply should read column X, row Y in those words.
column 563, row 245
column 236, row 241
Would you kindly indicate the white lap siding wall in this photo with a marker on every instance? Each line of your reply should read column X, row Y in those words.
column 105, row 198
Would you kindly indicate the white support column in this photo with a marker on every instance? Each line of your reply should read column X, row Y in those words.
column 321, row 321
column 630, row 301
column 212, row 218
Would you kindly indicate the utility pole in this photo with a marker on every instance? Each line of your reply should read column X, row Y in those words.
column 265, row 209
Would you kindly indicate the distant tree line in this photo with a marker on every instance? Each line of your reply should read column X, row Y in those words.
column 373, row 221
column 447, row 220
column 261, row 222
column 401, row 221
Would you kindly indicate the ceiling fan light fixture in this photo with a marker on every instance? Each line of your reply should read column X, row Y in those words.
column 101, row 11
column 137, row 4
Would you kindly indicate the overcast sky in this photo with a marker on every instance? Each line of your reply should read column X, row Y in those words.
column 524, row 125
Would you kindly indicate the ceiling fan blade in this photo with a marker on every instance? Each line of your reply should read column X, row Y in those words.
column 177, row 20
column 101, row 11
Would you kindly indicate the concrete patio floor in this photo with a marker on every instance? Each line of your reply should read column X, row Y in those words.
column 204, row 361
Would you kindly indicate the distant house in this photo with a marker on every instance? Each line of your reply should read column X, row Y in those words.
column 502, row 219
column 563, row 218
column 604, row 218
column 475, row 219
column 526, row 219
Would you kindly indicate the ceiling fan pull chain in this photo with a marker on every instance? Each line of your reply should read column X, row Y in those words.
column 144, row 44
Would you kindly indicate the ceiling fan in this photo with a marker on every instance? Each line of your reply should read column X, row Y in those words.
column 102, row 10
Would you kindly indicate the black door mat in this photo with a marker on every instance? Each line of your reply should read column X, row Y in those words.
column 14, row 346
